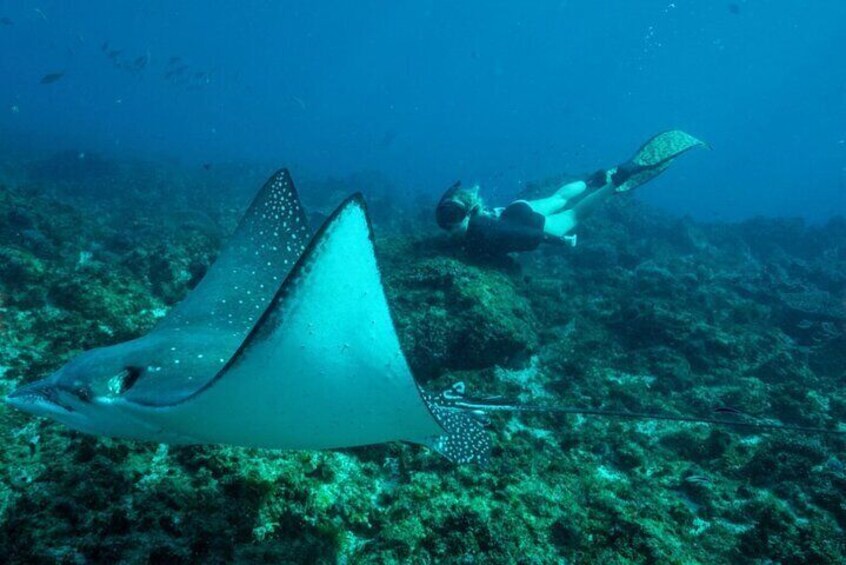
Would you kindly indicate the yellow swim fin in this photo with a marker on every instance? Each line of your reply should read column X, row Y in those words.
column 654, row 157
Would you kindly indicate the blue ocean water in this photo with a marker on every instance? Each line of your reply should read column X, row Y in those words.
column 427, row 92
column 668, row 389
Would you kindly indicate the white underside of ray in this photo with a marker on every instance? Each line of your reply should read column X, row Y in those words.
column 324, row 370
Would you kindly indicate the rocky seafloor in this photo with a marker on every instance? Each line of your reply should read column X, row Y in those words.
column 648, row 313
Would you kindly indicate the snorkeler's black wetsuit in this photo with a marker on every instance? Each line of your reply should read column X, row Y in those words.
column 518, row 228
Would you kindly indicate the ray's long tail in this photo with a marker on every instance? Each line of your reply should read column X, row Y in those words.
column 464, row 419
column 456, row 398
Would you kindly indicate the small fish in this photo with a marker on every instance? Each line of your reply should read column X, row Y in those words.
column 207, row 166
column 388, row 138
column 41, row 13
column 176, row 71
column 6, row 21
column 698, row 480
column 50, row 78
column 201, row 78
column 140, row 62
column 805, row 324
column 728, row 410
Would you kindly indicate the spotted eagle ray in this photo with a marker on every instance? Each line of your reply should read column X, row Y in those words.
column 286, row 343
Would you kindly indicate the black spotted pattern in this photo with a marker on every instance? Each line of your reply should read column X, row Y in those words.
column 466, row 440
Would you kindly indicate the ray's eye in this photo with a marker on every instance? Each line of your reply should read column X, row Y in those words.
column 83, row 393
column 125, row 380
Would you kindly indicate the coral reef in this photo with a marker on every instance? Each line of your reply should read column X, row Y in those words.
column 451, row 315
column 648, row 313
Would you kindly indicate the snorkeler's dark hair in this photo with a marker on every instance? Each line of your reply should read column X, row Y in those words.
column 452, row 208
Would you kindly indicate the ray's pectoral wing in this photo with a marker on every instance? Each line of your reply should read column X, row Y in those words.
column 323, row 367
column 204, row 331
column 250, row 268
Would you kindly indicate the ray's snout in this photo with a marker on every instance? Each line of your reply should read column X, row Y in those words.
column 26, row 394
column 39, row 397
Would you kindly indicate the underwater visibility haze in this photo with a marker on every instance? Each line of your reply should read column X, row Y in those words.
column 544, row 283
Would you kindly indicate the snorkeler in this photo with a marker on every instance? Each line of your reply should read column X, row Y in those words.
column 524, row 224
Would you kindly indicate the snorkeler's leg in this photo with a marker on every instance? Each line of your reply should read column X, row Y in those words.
column 559, row 225
column 571, row 189
column 589, row 203
column 555, row 203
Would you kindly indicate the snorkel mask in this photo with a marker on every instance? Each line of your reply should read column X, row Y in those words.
column 455, row 206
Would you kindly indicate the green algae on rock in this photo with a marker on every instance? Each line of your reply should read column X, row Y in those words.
column 455, row 316
column 603, row 330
